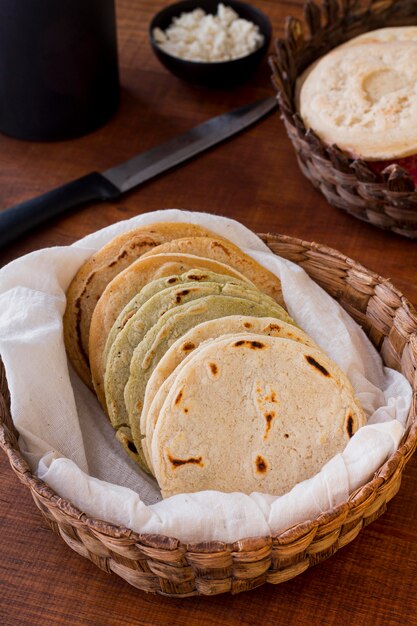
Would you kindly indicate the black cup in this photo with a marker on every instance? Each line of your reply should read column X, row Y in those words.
column 58, row 67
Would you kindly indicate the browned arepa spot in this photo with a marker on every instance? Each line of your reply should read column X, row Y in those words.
column 269, row 397
column 191, row 461
column 181, row 294
column 188, row 345
column 273, row 327
column 124, row 436
column 217, row 244
column 317, row 365
column 261, row 465
column 178, row 398
column 137, row 243
column 213, row 368
column 349, row 426
column 196, row 277
column 247, row 325
column 272, row 397
column 253, row 345
column 269, row 416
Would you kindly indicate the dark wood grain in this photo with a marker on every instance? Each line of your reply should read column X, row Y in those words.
column 253, row 178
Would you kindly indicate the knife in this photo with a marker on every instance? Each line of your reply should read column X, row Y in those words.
column 110, row 184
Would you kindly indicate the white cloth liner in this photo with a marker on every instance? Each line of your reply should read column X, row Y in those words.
column 71, row 445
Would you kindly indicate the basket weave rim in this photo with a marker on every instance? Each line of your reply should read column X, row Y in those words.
column 396, row 462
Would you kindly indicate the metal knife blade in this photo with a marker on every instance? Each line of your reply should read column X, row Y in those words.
column 110, row 184
column 145, row 166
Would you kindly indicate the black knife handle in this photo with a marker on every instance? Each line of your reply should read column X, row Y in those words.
column 22, row 217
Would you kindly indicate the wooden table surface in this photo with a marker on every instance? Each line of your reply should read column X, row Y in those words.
column 253, row 178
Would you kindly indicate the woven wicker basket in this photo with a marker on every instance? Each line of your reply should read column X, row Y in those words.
column 388, row 200
column 165, row 565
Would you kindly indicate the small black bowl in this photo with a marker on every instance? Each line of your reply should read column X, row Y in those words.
column 219, row 73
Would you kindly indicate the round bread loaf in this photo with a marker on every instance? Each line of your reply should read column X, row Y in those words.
column 125, row 286
column 252, row 414
column 94, row 276
column 226, row 252
column 183, row 349
column 362, row 96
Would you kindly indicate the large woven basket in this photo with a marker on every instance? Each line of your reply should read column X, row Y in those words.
column 164, row 565
column 388, row 200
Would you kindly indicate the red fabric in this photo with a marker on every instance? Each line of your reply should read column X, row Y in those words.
column 407, row 163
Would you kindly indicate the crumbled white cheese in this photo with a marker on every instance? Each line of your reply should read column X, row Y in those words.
column 197, row 36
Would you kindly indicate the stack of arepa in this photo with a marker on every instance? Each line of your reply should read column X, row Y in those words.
column 206, row 379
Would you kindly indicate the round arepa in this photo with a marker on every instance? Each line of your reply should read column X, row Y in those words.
column 252, row 414
column 362, row 96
